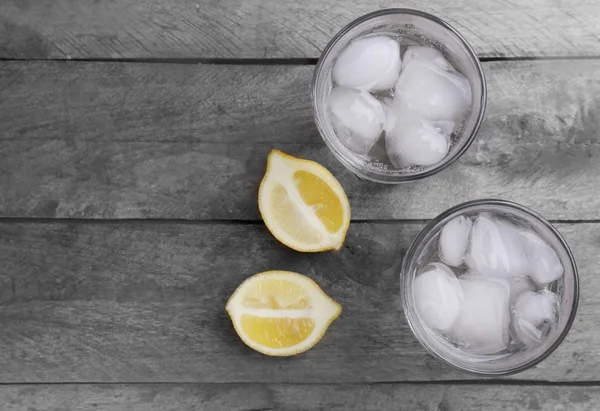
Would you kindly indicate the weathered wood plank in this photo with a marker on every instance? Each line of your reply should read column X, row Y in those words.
column 190, row 142
column 276, row 28
column 248, row 397
column 134, row 102
column 144, row 302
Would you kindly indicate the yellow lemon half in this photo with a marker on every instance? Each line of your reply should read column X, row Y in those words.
column 302, row 204
column 281, row 313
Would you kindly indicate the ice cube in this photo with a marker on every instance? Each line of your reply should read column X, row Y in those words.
column 454, row 240
column 370, row 64
column 438, row 296
column 544, row 264
column 357, row 117
column 423, row 53
column 496, row 249
column 482, row 326
column 531, row 312
column 518, row 285
column 444, row 127
column 417, row 142
column 433, row 92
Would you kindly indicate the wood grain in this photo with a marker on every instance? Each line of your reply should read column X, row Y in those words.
column 254, row 397
column 144, row 302
column 114, row 140
column 64, row 29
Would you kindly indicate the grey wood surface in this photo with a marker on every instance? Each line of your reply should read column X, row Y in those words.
column 276, row 28
column 255, row 397
column 144, row 302
column 128, row 204
column 125, row 140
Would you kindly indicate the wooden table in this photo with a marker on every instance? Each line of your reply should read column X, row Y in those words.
column 133, row 137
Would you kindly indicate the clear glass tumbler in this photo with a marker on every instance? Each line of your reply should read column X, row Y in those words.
column 428, row 30
column 566, row 288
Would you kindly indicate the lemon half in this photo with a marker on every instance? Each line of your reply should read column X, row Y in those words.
column 302, row 204
column 281, row 313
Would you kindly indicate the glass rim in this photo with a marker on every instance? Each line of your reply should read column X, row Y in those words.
column 388, row 178
column 511, row 205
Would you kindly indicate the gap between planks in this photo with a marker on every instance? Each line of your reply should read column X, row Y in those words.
column 268, row 61
column 178, row 221
column 484, row 382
